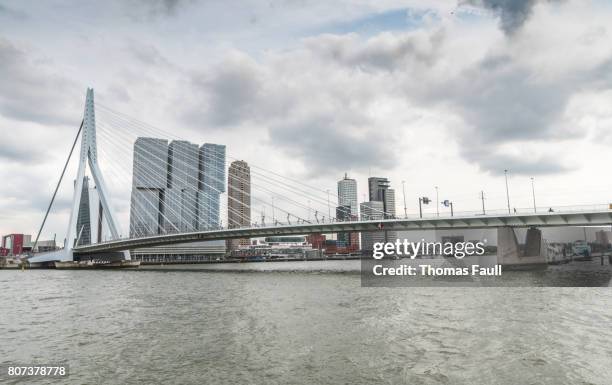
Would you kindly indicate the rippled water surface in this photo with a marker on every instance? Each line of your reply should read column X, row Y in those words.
column 171, row 327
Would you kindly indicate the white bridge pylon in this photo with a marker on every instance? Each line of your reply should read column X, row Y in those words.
column 88, row 156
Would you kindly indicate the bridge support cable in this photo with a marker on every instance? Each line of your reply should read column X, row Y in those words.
column 117, row 176
column 274, row 182
column 149, row 129
column 174, row 202
column 191, row 157
column 160, row 133
column 117, row 142
column 42, row 225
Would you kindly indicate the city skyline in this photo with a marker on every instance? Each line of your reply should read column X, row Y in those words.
column 399, row 98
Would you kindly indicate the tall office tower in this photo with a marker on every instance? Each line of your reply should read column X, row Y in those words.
column 238, row 199
column 212, row 185
column 380, row 191
column 372, row 210
column 149, row 183
column 347, row 194
column 343, row 214
column 182, row 189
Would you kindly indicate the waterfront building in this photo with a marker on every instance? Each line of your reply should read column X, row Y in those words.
column 347, row 194
column 277, row 247
column 176, row 186
column 149, row 182
column 238, row 200
column 343, row 214
column 182, row 188
column 379, row 190
column 14, row 243
column 212, row 185
column 372, row 210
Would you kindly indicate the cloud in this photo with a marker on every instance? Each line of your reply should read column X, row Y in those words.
column 512, row 13
column 495, row 163
column 388, row 51
column 9, row 12
column 230, row 93
column 32, row 91
column 331, row 144
column 155, row 8
column 12, row 152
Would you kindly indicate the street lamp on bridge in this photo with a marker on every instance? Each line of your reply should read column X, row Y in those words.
column 507, row 193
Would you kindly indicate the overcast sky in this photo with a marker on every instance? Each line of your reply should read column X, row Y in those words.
column 436, row 93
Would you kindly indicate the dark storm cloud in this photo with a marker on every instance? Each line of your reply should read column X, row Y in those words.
column 495, row 163
column 11, row 151
column 503, row 101
column 512, row 13
column 230, row 94
column 156, row 7
column 32, row 92
column 12, row 13
column 327, row 144
column 380, row 52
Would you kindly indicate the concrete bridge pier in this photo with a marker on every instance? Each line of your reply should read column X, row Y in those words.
column 509, row 253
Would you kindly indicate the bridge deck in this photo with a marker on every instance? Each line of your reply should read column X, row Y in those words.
column 549, row 219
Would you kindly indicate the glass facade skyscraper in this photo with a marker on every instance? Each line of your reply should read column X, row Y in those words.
column 176, row 186
column 212, row 184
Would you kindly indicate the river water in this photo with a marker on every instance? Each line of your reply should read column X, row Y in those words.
column 299, row 327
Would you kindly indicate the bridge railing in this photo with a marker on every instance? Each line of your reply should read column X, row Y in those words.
column 573, row 209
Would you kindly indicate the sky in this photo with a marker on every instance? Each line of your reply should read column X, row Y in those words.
column 433, row 93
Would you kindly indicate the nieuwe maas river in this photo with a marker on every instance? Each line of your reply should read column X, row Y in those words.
column 160, row 327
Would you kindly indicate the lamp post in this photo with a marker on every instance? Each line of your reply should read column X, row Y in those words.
column 328, row 205
column 404, row 192
column 437, row 203
column 535, row 210
column 483, row 205
column 507, row 193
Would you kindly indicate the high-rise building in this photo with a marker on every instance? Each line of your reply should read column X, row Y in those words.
column 347, row 194
column 372, row 210
column 176, row 186
column 212, row 184
column 379, row 190
column 238, row 199
column 183, row 183
column 149, row 183
column 343, row 214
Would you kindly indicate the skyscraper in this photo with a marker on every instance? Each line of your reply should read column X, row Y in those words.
column 347, row 194
column 347, row 208
column 176, row 186
column 238, row 199
column 149, row 183
column 380, row 191
column 212, row 184
column 372, row 210
column 183, row 182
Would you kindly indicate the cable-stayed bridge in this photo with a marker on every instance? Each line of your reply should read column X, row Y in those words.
column 172, row 202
